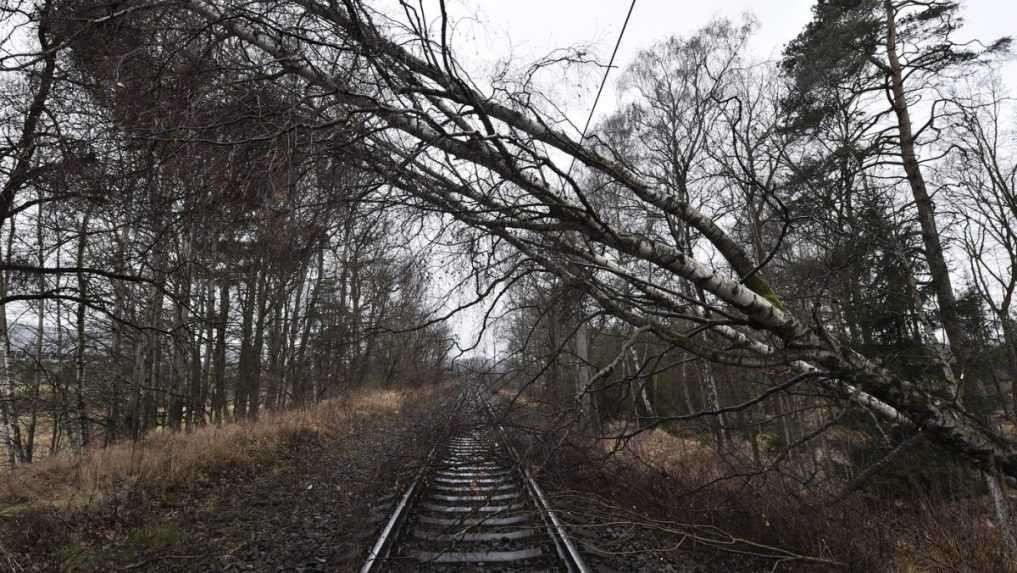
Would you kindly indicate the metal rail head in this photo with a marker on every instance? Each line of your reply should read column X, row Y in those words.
column 566, row 549
column 391, row 529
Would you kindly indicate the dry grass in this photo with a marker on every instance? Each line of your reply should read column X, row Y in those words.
column 921, row 535
column 163, row 460
column 676, row 455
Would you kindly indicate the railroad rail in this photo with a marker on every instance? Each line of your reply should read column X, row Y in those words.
column 473, row 504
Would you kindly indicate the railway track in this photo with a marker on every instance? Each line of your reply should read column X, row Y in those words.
column 473, row 506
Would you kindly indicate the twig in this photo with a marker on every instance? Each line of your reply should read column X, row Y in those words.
column 144, row 562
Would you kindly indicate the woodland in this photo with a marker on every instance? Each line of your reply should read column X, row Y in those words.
column 806, row 266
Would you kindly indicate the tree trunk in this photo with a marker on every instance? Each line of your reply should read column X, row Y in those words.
column 585, row 397
column 938, row 271
column 219, row 361
column 195, row 401
column 718, row 423
column 300, row 368
column 151, row 386
column 245, row 368
column 206, row 396
column 38, row 369
column 254, row 399
column 275, row 346
column 10, row 431
column 79, row 358
column 7, row 421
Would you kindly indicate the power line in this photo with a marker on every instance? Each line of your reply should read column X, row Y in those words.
column 603, row 80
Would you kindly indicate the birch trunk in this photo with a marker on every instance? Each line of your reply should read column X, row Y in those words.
column 79, row 322
column 9, row 431
column 219, row 361
column 586, row 396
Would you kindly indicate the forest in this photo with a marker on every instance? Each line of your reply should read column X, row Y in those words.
column 805, row 267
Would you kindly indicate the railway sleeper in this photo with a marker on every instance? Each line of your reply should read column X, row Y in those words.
column 478, row 556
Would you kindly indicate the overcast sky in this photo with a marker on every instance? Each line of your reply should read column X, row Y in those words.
column 489, row 31
column 524, row 30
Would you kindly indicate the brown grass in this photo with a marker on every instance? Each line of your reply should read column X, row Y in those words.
column 865, row 533
column 163, row 460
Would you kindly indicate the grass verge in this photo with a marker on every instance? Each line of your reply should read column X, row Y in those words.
column 675, row 504
column 286, row 488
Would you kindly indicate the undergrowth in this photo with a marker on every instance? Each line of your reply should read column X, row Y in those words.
column 714, row 501
column 162, row 460
column 82, row 511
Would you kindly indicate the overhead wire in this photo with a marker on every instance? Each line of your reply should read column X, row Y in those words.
column 603, row 81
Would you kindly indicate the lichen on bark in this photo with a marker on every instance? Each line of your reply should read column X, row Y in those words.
column 760, row 287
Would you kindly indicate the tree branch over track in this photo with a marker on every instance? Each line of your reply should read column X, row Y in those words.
column 487, row 162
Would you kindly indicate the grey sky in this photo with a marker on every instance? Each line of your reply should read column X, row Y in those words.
column 524, row 30
column 488, row 31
